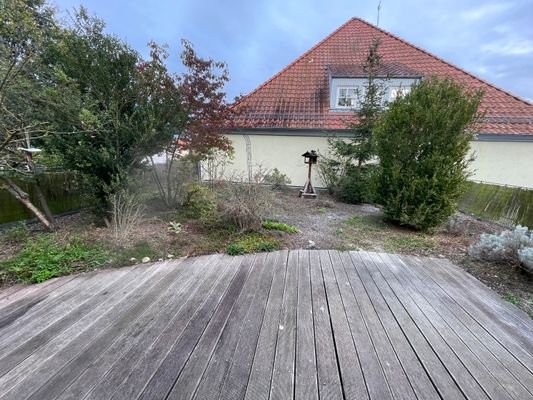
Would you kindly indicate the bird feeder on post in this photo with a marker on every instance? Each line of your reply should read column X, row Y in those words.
column 310, row 158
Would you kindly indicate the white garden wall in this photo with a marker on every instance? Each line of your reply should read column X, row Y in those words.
column 507, row 163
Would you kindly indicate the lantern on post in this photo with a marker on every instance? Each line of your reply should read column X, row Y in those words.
column 310, row 158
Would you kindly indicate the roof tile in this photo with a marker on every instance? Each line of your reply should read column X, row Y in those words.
column 298, row 96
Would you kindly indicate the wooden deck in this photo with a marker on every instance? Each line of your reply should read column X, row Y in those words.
column 299, row 324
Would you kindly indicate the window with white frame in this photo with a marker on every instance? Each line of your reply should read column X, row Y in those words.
column 346, row 97
column 398, row 91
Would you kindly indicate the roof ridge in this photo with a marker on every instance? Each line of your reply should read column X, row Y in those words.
column 441, row 60
column 288, row 66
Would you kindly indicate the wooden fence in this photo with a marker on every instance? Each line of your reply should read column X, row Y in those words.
column 61, row 190
column 504, row 204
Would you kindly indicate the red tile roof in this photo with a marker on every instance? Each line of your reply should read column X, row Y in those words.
column 384, row 70
column 298, row 96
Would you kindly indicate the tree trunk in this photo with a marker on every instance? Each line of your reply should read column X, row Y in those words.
column 44, row 203
column 23, row 197
column 38, row 190
column 40, row 194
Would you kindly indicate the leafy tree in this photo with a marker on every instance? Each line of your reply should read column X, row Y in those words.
column 361, row 146
column 205, row 116
column 347, row 172
column 30, row 92
column 422, row 142
column 207, row 113
column 129, row 108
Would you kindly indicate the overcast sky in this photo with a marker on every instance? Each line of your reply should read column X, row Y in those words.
column 257, row 38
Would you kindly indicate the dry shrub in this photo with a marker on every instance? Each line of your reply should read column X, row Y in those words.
column 127, row 213
column 246, row 204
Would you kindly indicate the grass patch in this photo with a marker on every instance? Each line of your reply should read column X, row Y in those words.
column 370, row 232
column 41, row 259
column 373, row 222
column 279, row 226
column 17, row 234
column 511, row 298
column 408, row 243
column 252, row 243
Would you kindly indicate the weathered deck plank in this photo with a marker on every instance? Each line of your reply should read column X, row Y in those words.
column 74, row 355
column 261, row 374
column 490, row 306
column 368, row 296
column 24, row 344
column 494, row 360
column 505, row 310
column 504, row 355
column 439, row 375
column 25, row 292
column 467, row 349
column 26, row 325
column 26, row 308
column 515, row 340
column 441, row 340
column 61, row 340
column 329, row 380
column 236, row 379
column 192, row 371
column 140, row 335
column 352, row 350
column 395, row 377
column 197, row 308
column 306, row 374
column 235, row 346
column 282, row 383
column 285, row 325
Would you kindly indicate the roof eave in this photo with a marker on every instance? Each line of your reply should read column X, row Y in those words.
column 323, row 132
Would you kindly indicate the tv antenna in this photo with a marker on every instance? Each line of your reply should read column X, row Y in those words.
column 379, row 9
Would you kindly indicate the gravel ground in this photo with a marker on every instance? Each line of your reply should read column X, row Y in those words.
column 323, row 221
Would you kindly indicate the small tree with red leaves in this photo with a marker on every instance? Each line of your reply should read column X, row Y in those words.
column 205, row 116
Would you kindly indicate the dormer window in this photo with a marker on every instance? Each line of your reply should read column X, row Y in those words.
column 398, row 91
column 346, row 97
column 347, row 84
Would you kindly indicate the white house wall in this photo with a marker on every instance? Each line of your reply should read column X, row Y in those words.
column 507, row 163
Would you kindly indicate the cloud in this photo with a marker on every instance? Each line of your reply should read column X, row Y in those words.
column 258, row 38
column 485, row 10
column 509, row 46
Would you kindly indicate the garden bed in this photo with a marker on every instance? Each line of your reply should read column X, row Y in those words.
column 321, row 223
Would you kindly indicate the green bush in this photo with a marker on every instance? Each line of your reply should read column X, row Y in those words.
column 277, row 179
column 200, row 204
column 279, row 226
column 251, row 243
column 422, row 142
column 346, row 181
column 332, row 169
column 41, row 259
column 235, row 249
column 357, row 184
